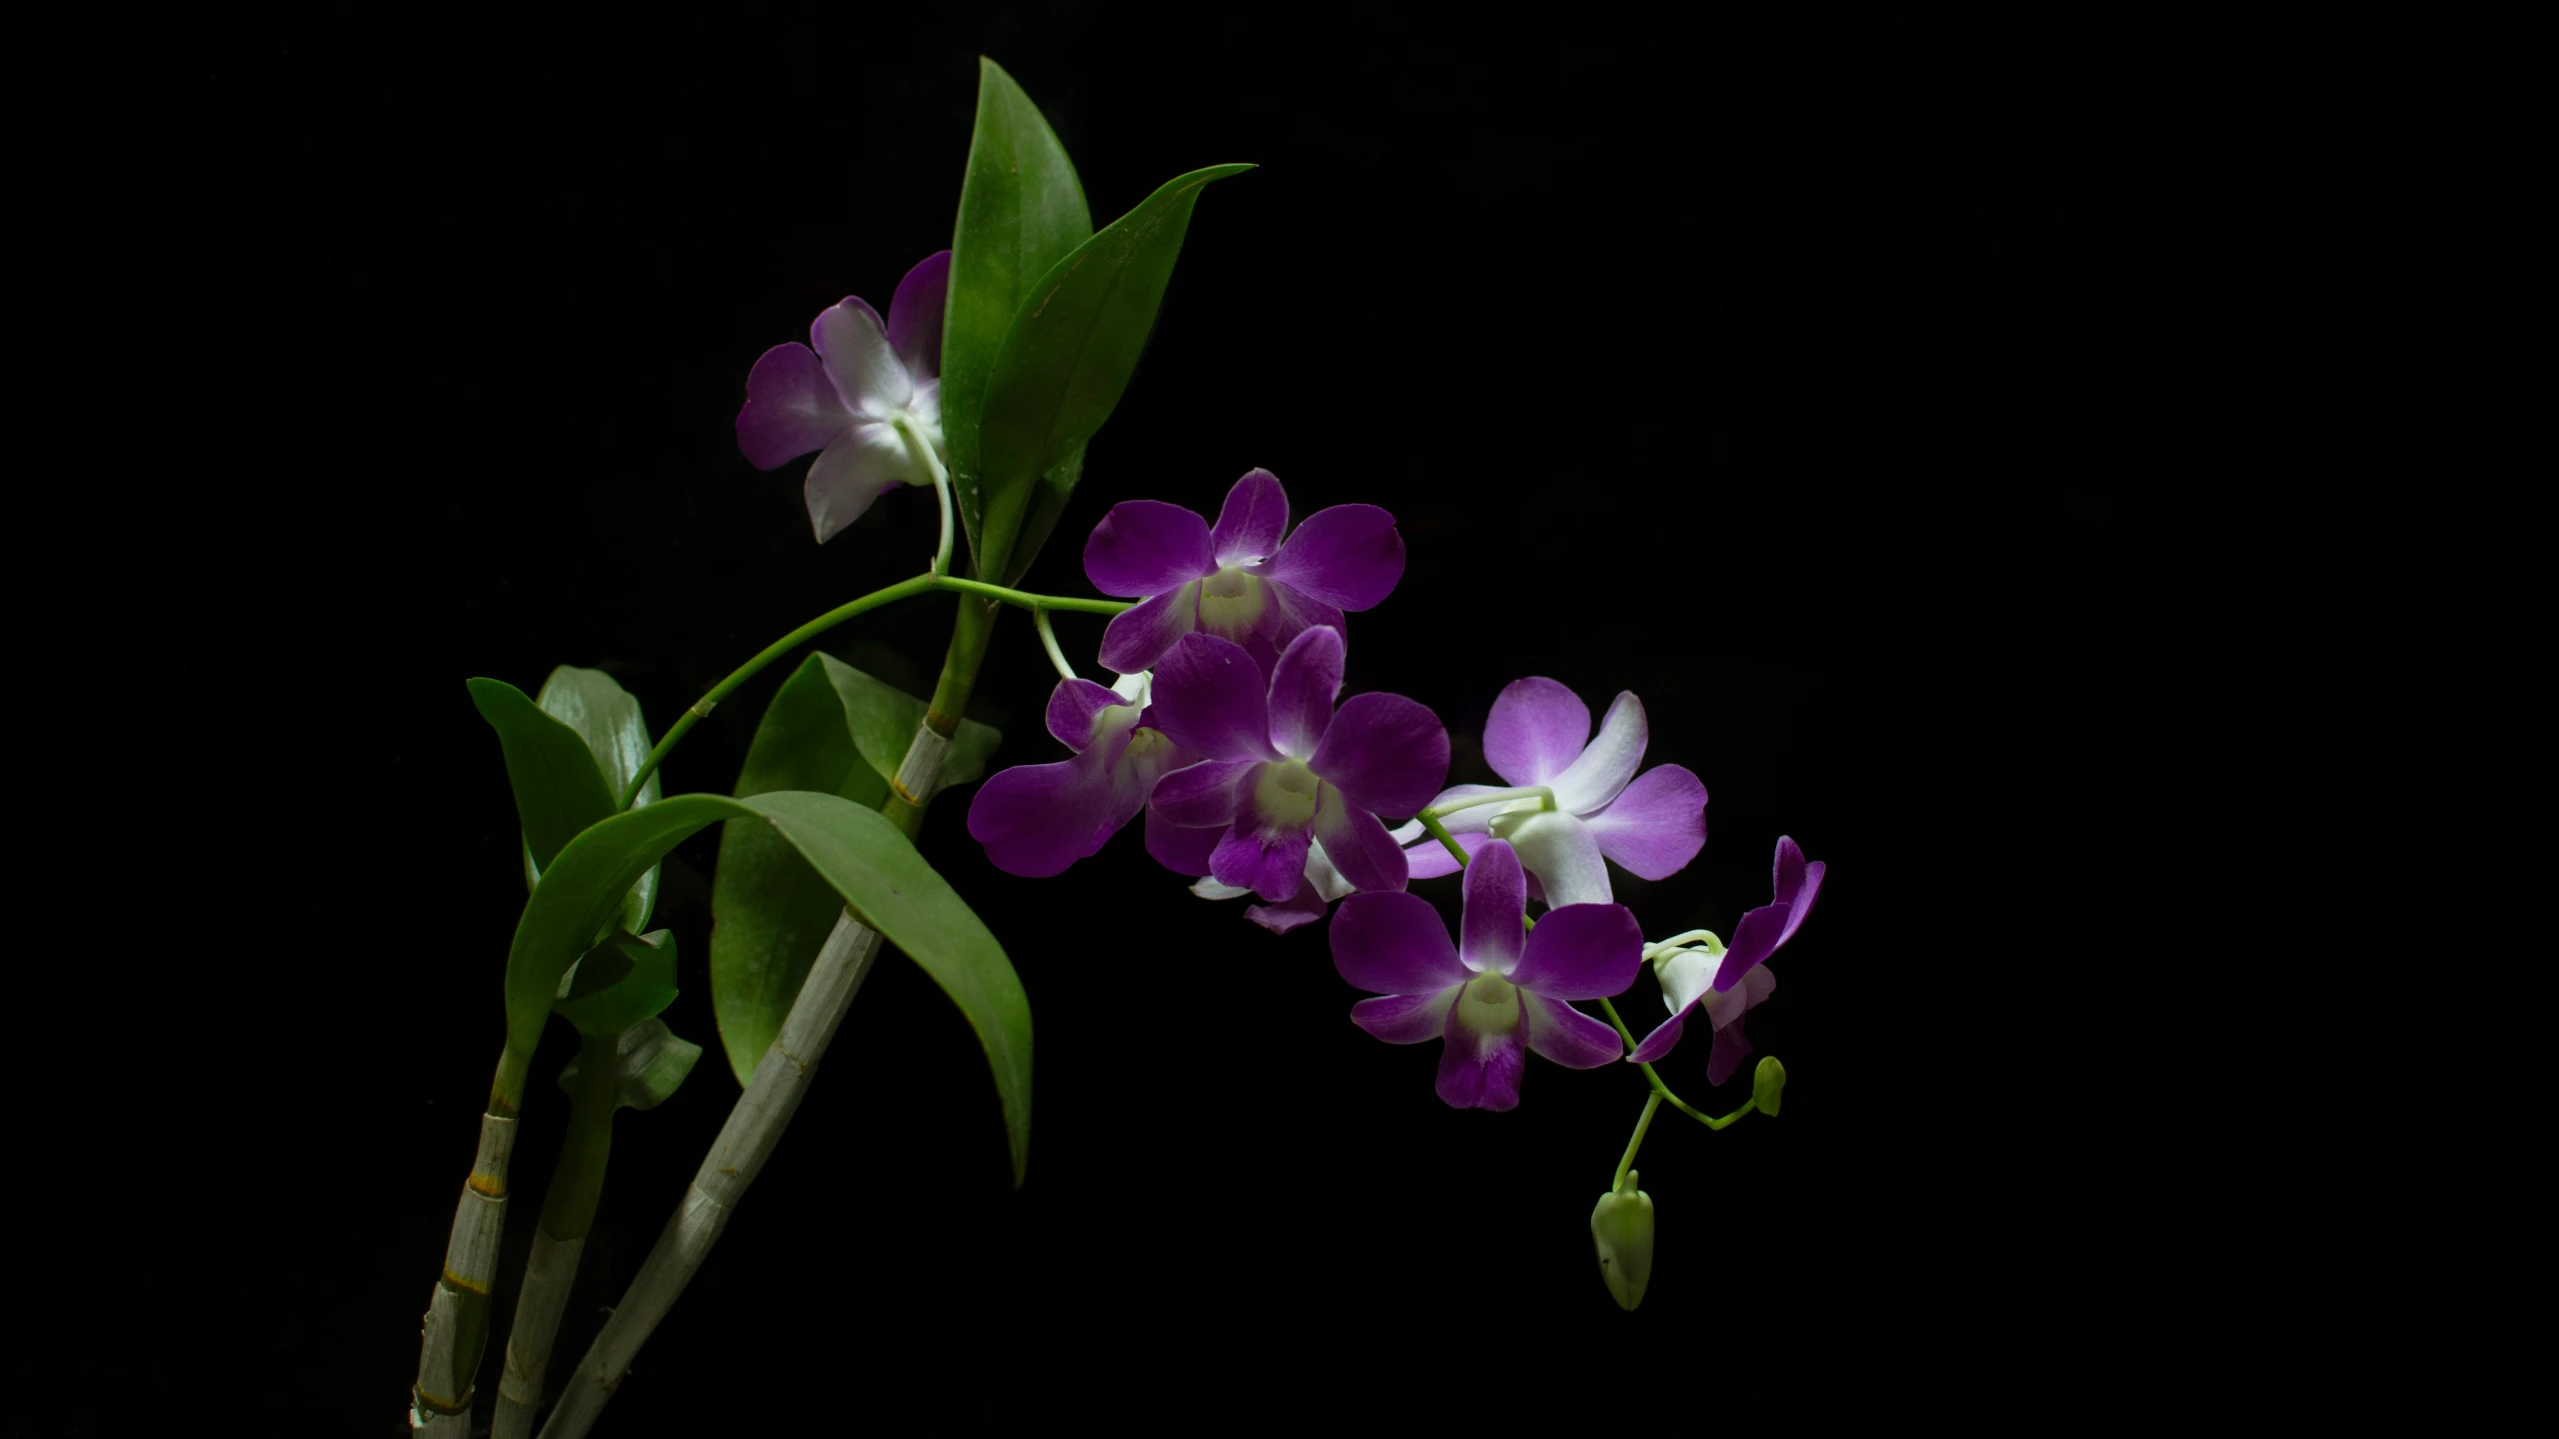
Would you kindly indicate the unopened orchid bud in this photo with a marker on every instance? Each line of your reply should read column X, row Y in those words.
column 1766, row 1083
column 1621, row 1225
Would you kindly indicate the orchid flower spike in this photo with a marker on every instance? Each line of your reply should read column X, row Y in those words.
column 1037, row 819
column 866, row 396
column 1539, row 735
column 1735, row 982
column 1284, row 769
column 1501, row 991
column 1239, row 580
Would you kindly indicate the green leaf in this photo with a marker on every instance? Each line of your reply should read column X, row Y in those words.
column 626, row 979
column 607, row 717
column 871, row 868
column 558, row 788
column 1048, row 504
column 834, row 730
column 1021, row 211
column 1070, row 352
column 883, row 719
column 651, row 1061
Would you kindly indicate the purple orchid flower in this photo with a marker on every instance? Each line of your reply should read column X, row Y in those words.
column 1726, row 989
column 1239, row 581
column 1284, row 769
column 867, row 397
column 1501, row 992
column 1539, row 734
column 1037, row 819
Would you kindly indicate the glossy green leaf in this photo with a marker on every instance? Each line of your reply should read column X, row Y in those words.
column 652, row 1062
column 1070, row 352
column 608, row 718
column 558, row 788
column 1021, row 211
column 871, row 867
column 834, row 730
column 883, row 720
column 1048, row 505
column 618, row 983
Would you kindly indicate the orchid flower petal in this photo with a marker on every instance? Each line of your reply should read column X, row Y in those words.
column 1037, row 819
column 1663, row 1038
column 1349, row 555
column 1203, row 796
column 1147, row 547
column 1731, row 1048
column 1496, row 899
column 1480, row 1071
column 1407, row 1018
column 1565, row 1034
column 1264, row 851
column 1431, row 860
column 1608, row 763
column 1465, row 820
column 1656, row 825
column 1137, row 639
column 1387, row 753
column 1074, row 706
column 1179, row 849
column 865, row 462
column 1302, row 908
column 1581, row 951
column 1390, row 942
column 849, row 337
column 1536, row 729
column 1560, row 851
column 1285, row 615
column 1210, row 698
column 1763, row 931
column 1303, row 684
column 1357, row 846
column 1255, row 516
column 791, row 408
column 915, row 316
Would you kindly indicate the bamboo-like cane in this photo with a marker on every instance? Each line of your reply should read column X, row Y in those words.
column 754, row 1128
column 782, row 1076
column 457, row 1317
column 568, row 1212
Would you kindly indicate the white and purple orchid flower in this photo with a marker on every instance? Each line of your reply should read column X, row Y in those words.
column 1501, row 991
column 1239, row 580
column 1539, row 735
column 1736, row 982
column 866, row 395
column 1037, row 819
column 1284, row 769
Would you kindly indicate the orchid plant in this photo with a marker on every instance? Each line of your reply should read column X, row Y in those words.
column 1223, row 723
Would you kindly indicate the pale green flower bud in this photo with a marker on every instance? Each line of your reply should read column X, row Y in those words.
column 1766, row 1083
column 1622, row 1227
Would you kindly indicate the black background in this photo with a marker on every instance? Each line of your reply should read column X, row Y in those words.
column 2071, row 474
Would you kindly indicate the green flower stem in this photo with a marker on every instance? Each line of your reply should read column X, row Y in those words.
column 974, row 632
column 1440, row 832
column 1652, row 1102
column 922, row 453
column 1030, row 601
column 1048, row 641
column 1653, row 1077
column 1505, row 796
